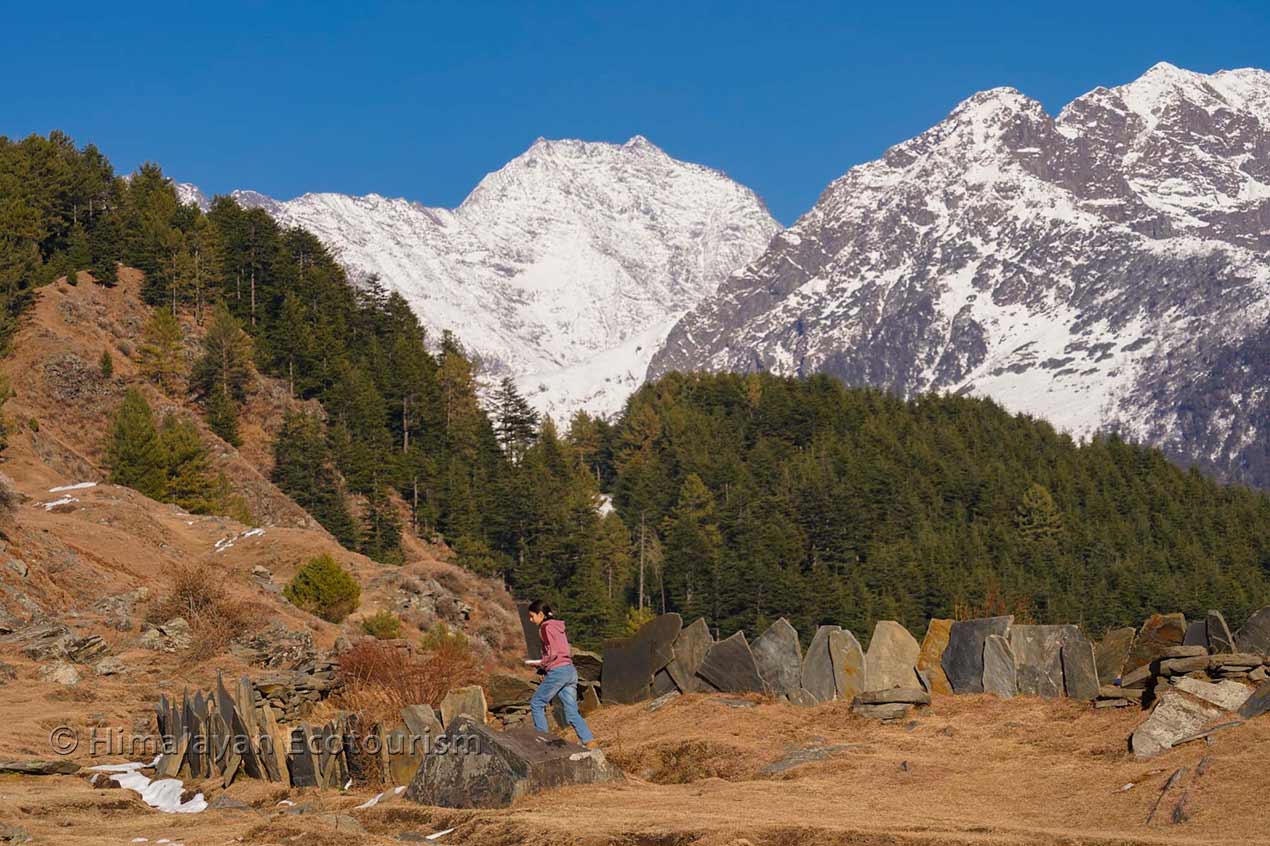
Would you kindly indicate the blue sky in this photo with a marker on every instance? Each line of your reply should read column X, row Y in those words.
column 421, row 100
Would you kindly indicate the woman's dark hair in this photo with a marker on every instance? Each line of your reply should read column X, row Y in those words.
column 540, row 607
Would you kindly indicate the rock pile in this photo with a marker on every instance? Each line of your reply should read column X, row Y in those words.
column 293, row 693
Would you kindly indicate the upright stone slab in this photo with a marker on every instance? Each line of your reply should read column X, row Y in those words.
column 848, row 664
column 1196, row 634
column 999, row 676
column 503, row 691
column 932, row 653
column 689, row 649
column 1038, row 657
column 1220, row 640
column 474, row 767
column 1258, row 703
column 963, row 658
column 1080, row 671
column 1255, row 635
column 421, row 720
column 780, row 658
column 533, row 642
column 730, row 666
column 817, row 672
column 468, row 700
column 1159, row 632
column 588, row 664
column 631, row 662
column 1175, row 716
column 892, row 658
column 1111, row 653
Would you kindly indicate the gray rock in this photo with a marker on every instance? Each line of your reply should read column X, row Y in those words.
column 1038, row 657
column 18, row 566
column 999, row 674
column 504, row 691
column 689, row 649
column 1218, row 633
column 59, row 766
column 469, row 701
column 888, row 711
column 1111, row 653
column 533, row 642
column 1228, row 695
column 1136, row 678
column 472, row 766
column 892, row 657
column 1196, row 635
column 779, row 657
column 588, row 664
column 663, row 700
column 1080, row 672
column 809, row 755
column 729, row 665
column 962, row 661
column 1158, row 632
column 1182, row 666
column 803, row 698
column 817, row 671
column 13, row 834
column 421, row 720
column 7, row 673
column 1184, row 651
column 173, row 636
column 630, row 662
column 111, row 666
column 893, row 695
column 1255, row 635
column 60, row 672
column 1258, row 703
column 848, row 664
column 1175, row 716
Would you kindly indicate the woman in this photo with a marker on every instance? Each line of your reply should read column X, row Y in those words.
column 560, row 678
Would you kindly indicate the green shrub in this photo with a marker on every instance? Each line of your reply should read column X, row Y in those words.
column 107, row 364
column 324, row 588
column 383, row 625
column 442, row 638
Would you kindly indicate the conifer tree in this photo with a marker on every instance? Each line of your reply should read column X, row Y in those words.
column 222, row 415
column 516, row 422
column 162, row 351
column 135, row 453
column 226, row 359
column 189, row 480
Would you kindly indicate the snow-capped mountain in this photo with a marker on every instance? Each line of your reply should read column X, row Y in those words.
column 566, row 268
column 1107, row 269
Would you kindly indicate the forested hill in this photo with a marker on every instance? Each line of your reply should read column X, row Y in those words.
column 804, row 498
column 743, row 497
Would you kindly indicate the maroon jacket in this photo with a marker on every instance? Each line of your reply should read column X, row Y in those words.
column 555, row 645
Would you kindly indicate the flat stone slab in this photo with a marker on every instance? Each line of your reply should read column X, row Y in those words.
column 1111, row 653
column 904, row 695
column 779, row 656
column 1175, row 717
column 817, row 672
column 848, row 664
column 962, row 661
column 39, row 767
column 1196, row 634
column 1159, row 632
column 1080, row 672
column 888, row 711
column 505, row 691
column 472, row 766
column 932, row 652
column 892, row 657
column 730, row 666
column 1255, row 635
column 1229, row 695
column 588, row 664
column 421, row 720
column 1258, row 703
column 689, row 650
column 1000, row 675
column 809, row 755
column 631, row 662
column 1038, row 658
column 1182, row 666
column 469, row 701
column 1219, row 637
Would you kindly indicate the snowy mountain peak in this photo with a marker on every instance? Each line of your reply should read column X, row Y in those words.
column 566, row 267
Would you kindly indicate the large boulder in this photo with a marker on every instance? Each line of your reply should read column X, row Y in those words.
column 780, row 657
column 1038, row 655
column 892, row 658
column 1255, row 635
column 729, row 666
column 472, row 766
column 689, row 650
column 932, row 653
column 1158, row 633
column 999, row 673
column 630, row 662
column 1176, row 716
column 1112, row 652
column 963, row 658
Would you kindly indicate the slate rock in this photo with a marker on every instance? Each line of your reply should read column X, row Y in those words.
column 1228, row 695
column 588, row 664
column 476, row 767
column 1080, row 671
column 421, row 720
column 504, row 691
column 59, row 766
column 848, row 664
column 1175, row 716
column 403, row 751
column 892, row 695
column 803, row 698
column 1111, row 653
column 1038, row 657
column 1158, row 632
column 1219, row 637
column 1184, row 651
column 887, row 711
column 1182, row 666
column 932, row 652
column 663, row 683
column 1255, row 635
column 730, row 666
column 962, row 661
column 892, row 657
column 1258, row 703
column 689, row 650
column 999, row 674
column 779, row 657
column 533, row 642
column 630, row 663
column 1196, row 634
column 469, row 700
column 60, row 672
column 817, row 671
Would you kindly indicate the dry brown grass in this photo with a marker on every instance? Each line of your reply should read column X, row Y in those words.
column 215, row 618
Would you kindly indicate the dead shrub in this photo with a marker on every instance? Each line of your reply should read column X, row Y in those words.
column 215, row 618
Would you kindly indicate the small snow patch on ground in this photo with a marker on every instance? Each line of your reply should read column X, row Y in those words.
column 66, row 500
column 78, row 486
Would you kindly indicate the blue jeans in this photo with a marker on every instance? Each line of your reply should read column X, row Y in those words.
column 563, row 682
